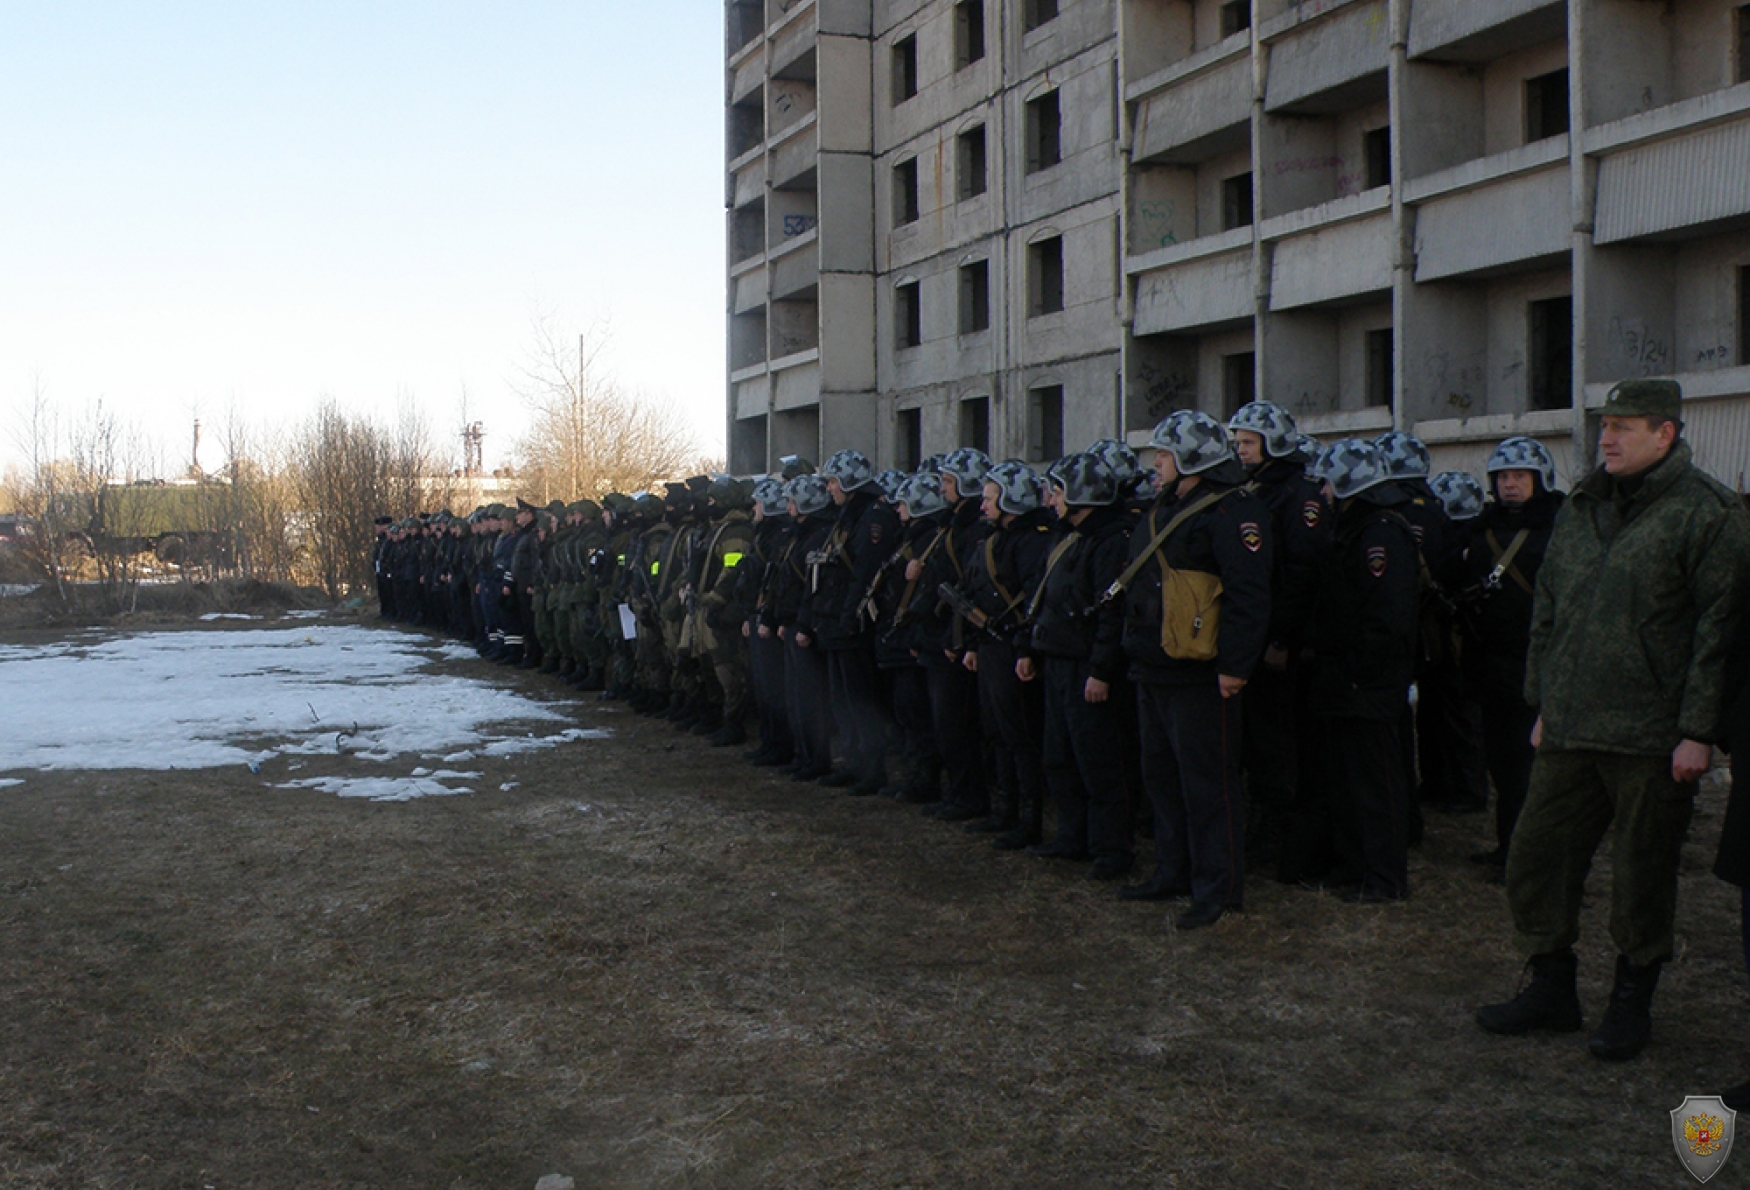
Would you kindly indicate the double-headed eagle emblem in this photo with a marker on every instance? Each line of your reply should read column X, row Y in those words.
column 1703, row 1133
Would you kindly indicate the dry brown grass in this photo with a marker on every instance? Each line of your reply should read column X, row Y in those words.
column 649, row 965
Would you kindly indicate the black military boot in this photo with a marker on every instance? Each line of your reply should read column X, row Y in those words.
column 1002, row 818
column 1628, row 1022
column 729, row 734
column 1549, row 1002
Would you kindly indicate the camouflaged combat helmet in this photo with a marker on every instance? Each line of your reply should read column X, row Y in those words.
column 851, row 468
column 1086, row 481
column 1405, row 456
column 769, row 494
column 1272, row 423
column 1352, row 466
column 1524, row 454
column 1196, row 441
column 1460, row 494
column 790, row 466
column 727, row 494
column 890, row 481
column 1119, row 459
column 810, row 494
column 1017, row 487
column 922, row 495
column 966, row 467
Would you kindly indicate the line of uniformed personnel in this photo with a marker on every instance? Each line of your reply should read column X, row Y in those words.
column 1219, row 651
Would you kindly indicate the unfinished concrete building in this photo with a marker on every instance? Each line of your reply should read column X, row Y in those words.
column 1060, row 220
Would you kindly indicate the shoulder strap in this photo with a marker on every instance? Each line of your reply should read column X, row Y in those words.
column 1160, row 539
column 1504, row 559
column 1010, row 600
column 1063, row 547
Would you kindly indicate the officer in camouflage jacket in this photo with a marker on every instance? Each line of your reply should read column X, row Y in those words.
column 1632, row 621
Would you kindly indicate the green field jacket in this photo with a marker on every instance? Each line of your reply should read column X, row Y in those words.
column 1635, row 611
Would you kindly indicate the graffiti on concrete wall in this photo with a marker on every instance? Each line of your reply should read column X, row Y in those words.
column 1156, row 225
column 799, row 225
column 1162, row 390
column 1455, row 386
column 1640, row 349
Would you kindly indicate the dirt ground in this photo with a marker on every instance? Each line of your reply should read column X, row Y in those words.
column 648, row 965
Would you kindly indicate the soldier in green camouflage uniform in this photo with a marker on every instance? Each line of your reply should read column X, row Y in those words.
column 1633, row 616
column 720, row 607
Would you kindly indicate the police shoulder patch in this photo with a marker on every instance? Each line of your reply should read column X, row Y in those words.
column 1311, row 513
column 1251, row 536
column 1376, row 561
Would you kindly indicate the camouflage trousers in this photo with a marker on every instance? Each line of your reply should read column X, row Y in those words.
column 1576, row 798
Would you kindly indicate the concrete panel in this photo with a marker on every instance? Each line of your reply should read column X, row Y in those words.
column 1329, row 54
column 1702, row 48
column 749, row 183
column 1301, row 370
column 848, row 420
column 1335, row 262
column 1631, row 312
column 1444, row 104
column 1708, row 302
column 1160, row 375
column 795, row 387
column 849, row 17
column 1206, row 106
column 1443, row 340
column 797, row 431
column 1686, row 182
column 793, row 161
column 1518, row 219
column 796, row 272
column 847, row 330
column 752, row 396
column 1477, row 30
column 748, row 291
column 1504, row 93
column 844, row 98
column 847, row 213
column 1198, row 293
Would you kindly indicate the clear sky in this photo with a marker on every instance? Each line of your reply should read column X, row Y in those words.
column 259, row 203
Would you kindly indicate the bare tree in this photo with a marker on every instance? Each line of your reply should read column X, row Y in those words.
column 590, row 436
column 41, row 493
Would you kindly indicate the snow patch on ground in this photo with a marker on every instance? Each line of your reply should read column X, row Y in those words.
column 379, row 789
column 208, row 699
column 211, row 616
column 8, row 782
column 18, row 590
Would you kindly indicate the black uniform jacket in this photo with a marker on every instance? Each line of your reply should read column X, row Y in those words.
column 938, row 629
column 1497, row 620
column 1302, row 525
column 1068, row 623
column 862, row 537
column 1230, row 540
column 1366, row 616
column 789, row 597
column 1002, row 574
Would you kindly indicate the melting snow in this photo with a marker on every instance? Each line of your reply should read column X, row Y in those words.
column 188, row 700
column 7, row 782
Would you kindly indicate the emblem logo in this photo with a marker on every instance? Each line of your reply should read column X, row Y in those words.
column 1251, row 536
column 1310, row 512
column 1701, row 1131
column 1376, row 561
